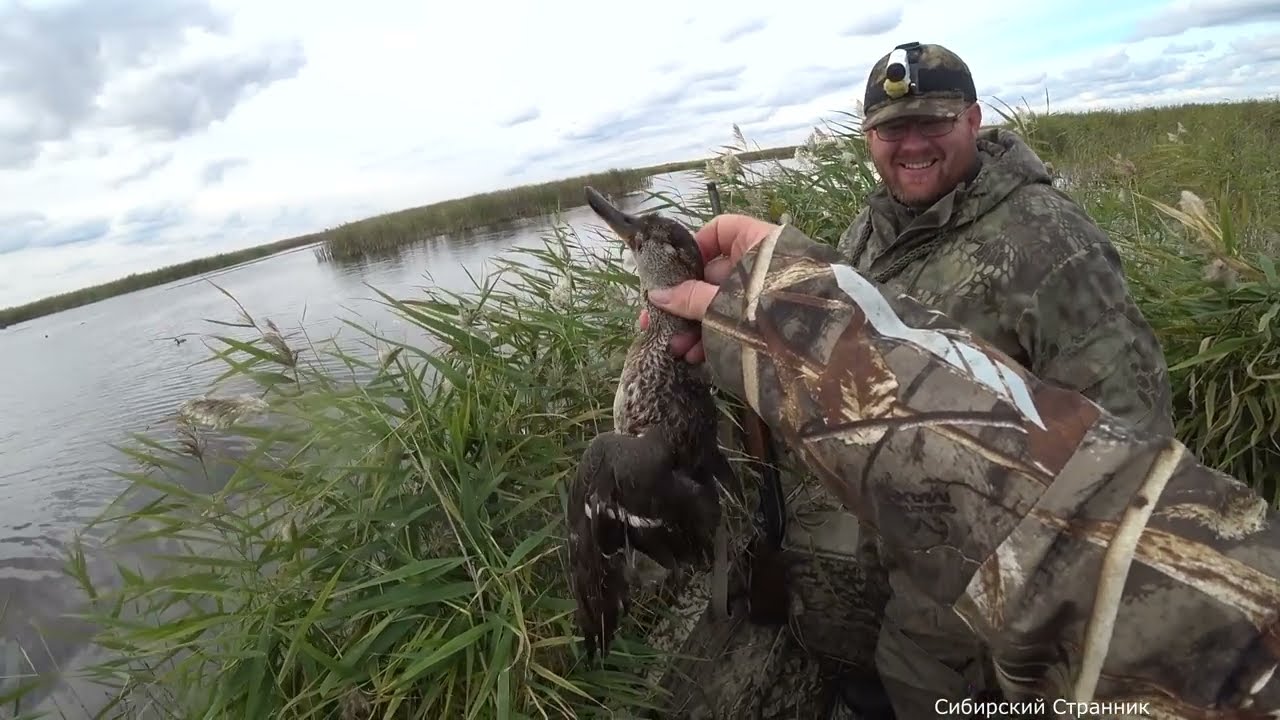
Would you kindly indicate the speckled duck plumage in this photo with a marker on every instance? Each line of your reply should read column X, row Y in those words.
column 657, row 389
column 652, row 485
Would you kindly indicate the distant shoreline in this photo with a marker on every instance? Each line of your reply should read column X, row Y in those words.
column 438, row 218
column 1066, row 139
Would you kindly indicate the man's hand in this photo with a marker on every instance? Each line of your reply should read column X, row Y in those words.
column 723, row 242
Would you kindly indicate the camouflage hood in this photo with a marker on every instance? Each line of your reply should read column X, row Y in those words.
column 893, row 236
column 1006, row 164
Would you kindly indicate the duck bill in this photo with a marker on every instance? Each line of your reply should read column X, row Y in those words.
column 625, row 225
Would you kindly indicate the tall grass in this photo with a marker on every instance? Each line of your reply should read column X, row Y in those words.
column 1224, row 152
column 388, row 547
column 391, row 545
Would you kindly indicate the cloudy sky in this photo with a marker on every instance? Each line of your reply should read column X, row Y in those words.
column 138, row 133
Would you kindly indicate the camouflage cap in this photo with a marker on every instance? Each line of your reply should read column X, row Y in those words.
column 933, row 82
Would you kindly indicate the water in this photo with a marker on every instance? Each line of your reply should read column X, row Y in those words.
column 73, row 383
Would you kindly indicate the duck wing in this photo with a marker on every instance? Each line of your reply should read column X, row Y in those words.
column 629, row 491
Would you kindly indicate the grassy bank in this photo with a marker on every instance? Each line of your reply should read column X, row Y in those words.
column 386, row 233
column 138, row 281
column 394, row 549
column 382, row 233
column 1223, row 153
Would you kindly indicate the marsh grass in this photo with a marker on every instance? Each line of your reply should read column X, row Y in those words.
column 1213, row 150
column 391, row 543
column 1188, row 195
column 1213, row 299
column 387, row 548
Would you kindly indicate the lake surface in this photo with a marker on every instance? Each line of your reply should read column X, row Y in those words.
column 74, row 383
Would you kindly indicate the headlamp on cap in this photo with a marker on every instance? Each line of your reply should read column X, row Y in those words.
column 900, row 73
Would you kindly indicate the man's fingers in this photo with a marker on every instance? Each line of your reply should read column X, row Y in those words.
column 696, row 355
column 717, row 237
column 717, row 271
column 723, row 232
column 708, row 239
column 689, row 299
column 684, row 342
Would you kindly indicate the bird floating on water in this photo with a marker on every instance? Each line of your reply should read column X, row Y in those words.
column 652, row 484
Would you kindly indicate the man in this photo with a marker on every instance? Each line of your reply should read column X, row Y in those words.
column 966, row 220
column 1109, row 573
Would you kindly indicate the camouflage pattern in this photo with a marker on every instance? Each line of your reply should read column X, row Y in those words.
column 807, row 669
column 945, row 89
column 1022, row 267
column 914, row 107
column 1021, row 264
column 1101, row 564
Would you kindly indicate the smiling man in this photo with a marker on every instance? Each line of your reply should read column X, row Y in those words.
column 967, row 221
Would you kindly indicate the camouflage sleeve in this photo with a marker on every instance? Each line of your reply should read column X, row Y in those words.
column 1082, row 330
column 1101, row 564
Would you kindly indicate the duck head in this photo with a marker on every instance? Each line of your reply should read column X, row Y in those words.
column 664, row 250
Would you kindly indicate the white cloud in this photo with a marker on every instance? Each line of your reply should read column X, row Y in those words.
column 208, row 125
column 1177, row 17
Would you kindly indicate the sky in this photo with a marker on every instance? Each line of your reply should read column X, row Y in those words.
column 136, row 134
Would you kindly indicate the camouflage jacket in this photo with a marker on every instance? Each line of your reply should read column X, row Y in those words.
column 1100, row 564
column 1018, row 262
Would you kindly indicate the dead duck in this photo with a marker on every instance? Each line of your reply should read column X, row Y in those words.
column 653, row 484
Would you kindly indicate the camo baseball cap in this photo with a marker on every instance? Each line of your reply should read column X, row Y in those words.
column 938, row 85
